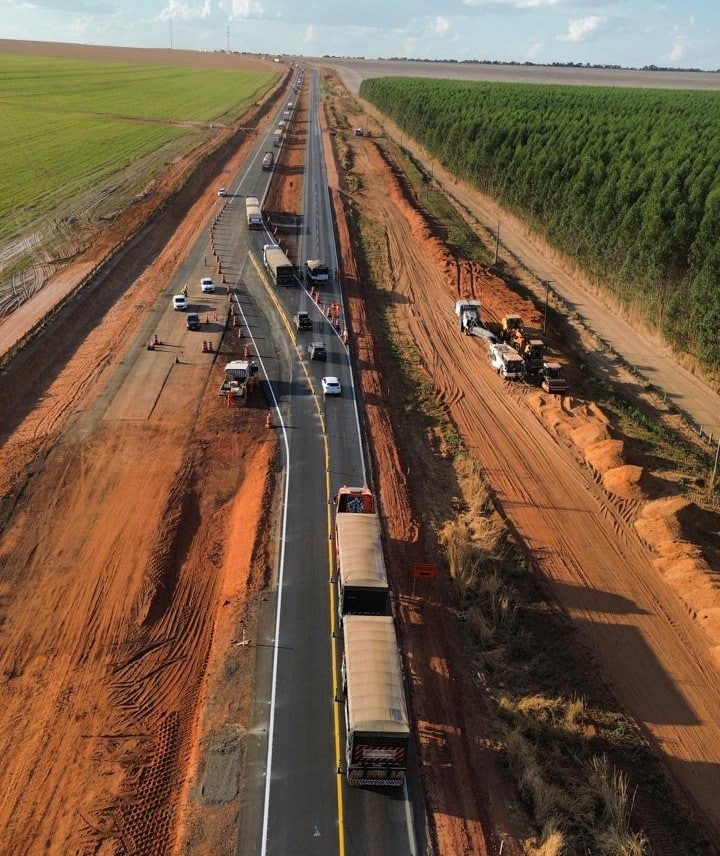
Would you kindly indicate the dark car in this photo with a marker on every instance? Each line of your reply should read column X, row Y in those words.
column 303, row 321
column 317, row 351
column 192, row 321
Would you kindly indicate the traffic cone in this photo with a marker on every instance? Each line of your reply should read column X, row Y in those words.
column 210, row 347
column 204, row 347
column 268, row 421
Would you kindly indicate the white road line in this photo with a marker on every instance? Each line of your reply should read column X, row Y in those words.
column 278, row 606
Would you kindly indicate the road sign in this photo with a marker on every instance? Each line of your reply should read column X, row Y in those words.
column 424, row 571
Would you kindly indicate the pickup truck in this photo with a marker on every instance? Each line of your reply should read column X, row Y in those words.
column 303, row 321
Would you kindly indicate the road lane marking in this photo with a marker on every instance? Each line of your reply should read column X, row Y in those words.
column 333, row 607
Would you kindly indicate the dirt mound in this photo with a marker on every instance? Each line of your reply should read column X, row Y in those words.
column 605, row 455
column 627, row 481
column 668, row 525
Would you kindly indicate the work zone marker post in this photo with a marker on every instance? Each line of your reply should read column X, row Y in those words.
column 423, row 571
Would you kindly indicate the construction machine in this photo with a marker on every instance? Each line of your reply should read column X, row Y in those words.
column 552, row 379
column 468, row 313
column 530, row 347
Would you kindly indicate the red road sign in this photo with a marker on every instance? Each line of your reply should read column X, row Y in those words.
column 424, row 571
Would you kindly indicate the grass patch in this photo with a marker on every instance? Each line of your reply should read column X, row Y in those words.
column 456, row 233
column 662, row 448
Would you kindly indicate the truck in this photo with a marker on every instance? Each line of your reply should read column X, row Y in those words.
column 268, row 161
column 281, row 269
column 468, row 313
column 552, row 379
column 357, row 500
column 239, row 376
column 253, row 213
column 316, row 271
column 377, row 725
column 303, row 321
column 287, row 115
column 506, row 361
column 361, row 576
column 277, row 137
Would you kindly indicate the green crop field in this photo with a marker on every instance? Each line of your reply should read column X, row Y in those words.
column 68, row 125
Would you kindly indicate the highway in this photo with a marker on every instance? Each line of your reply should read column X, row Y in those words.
column 296, row 801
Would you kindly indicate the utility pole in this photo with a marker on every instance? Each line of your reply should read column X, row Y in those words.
column 227, row 42
column 715, row 469
column 497, row 243
column 545, row 314
column 171, row 34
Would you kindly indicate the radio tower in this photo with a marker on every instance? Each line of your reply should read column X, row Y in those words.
column 170, row 33
column 227, row 41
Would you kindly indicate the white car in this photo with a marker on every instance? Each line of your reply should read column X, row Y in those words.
column 222, row 192
column 331, row 386
column 180, row 302
column 207, row 286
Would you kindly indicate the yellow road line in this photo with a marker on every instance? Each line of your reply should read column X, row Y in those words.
column 331, row 558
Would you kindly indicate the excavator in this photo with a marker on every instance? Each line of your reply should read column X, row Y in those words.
column 532, row 350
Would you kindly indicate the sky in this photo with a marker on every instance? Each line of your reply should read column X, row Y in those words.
column 629, row 33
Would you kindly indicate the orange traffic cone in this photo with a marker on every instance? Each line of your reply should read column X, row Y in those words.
column 204, row 347
column 268, row 421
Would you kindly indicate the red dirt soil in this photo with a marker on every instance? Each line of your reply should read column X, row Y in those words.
column 119, row 549
column 561, row 483
column 126, row 562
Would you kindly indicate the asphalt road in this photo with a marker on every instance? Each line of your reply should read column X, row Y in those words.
column 295, row 800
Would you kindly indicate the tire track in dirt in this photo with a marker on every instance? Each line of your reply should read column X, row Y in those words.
column 459, row 823
column 596, row 565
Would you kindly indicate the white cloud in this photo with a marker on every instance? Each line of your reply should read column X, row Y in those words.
column 441, row 25
column 181, row 11
column 525, row 4
column 677, row 51
column 580, row 29
column 175, row 9
column 244, row 9
column 535, row 49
